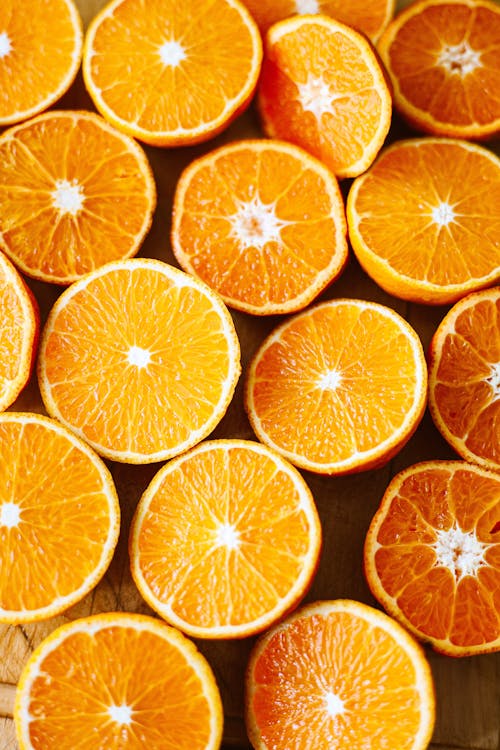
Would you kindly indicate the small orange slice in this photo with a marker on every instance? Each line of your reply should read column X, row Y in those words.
column 172, row 73
column 338, row 388
column 59, row 518
column 464, row 378
column 74, row 194
column 117, row 680
column 432, row 555
column 339, row 674
column 323, row 88
column 423, row 221
column 262, row 223
column 225, row 539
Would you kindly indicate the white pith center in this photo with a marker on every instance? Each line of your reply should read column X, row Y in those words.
column 172, row 53
column 330, row 381
column 228, row 536
column 443, row 214
column 121, row 714
column 10, row 515
column 255, row 224
column 459, row 551
column 334, row 705
column 68, row 197
column 459, row 59
column 5, row 44
column 494, row 380
column 307, row 6
column 138, row 357
column 316, row 96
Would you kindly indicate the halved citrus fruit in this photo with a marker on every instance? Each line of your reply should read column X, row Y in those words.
column 139, row 359
column 261, row 222
column 59, row 518
column 443, row 57
column 338, row 388
column 323, row 88
column 464, row 378
column 225, row 540
column 74, row 194
column 117, row 680
column 423, row 221
column 172, row 73
column 339, row 674
column 432, row 555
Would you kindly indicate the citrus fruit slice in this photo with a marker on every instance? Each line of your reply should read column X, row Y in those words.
column 339, row 674
column 40, row 53
column 172, row 73
column 443, row 57
column 59, row 518
column 74, row 193
column 432, row 555
column 139, row 359
column 117, row 680
column 323, row 88
column 464, row 378
column 262, row 223
column 19, row 327
column 338, row 388
column 225, row 539
column 423, row 221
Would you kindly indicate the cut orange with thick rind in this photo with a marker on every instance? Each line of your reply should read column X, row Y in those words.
column 339, row 674
column 423, row 220
column 59, row 518
column 117, row 680
column 262, row 223
column 225, row 540
column 172, row 73
column 74, row 194
column 432, row 555
column 464, row 378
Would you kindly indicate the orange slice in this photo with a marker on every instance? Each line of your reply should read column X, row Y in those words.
column 339, row 388
column 117, row 680
column 139, row 359
column 172, row 73
column 262, row 223
column 75, row 194
column 225, row 540
column 432, row 555
column 40, row 53
column 464, row 378
column 339, row 674
column 59, row 518
column 323, row 88
column 443, row 57
column 423, row 221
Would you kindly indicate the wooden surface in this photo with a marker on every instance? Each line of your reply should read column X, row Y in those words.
column 468, row 695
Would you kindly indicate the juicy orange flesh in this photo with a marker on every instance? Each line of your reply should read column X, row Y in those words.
column 438, row 601
column 13, row 317
column 357, row 662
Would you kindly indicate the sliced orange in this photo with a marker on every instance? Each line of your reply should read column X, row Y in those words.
column 432, row 555
column 464, row 378
column 339, row 388
column 443, row 57
column 172, row 73
column 117, row 680
column 323, row 88
column 59, row 518
column 74, row 194
column 423, row 221
column 261, row 222
column 339, row 674
column 40, row 53
column 225, row 539
column 139, row 359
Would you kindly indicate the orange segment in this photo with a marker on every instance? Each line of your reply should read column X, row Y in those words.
column 117, row 680
column 262, row 223
column 75, row 194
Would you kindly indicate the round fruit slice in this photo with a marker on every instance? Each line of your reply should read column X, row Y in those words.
column 261, row 222
column 423, row 221
column 432, row 555
column 339, row 674
column 225, row 539
column 59, row 518
column 117, row 680
column 74, row 194
column 172, row 73
column 139, row 359
column 464, row 378
column 338, row 388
